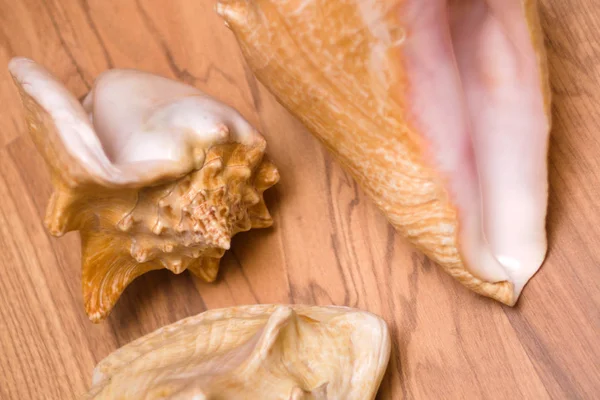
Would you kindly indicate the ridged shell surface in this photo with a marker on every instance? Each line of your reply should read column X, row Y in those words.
column 267, row 352
column 158, row 176
column 445, row 128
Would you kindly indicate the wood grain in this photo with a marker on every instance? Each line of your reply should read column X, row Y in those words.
column 329, row 244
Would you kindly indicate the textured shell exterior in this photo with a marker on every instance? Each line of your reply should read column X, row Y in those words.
column 174, row 221
column 328, row 73
column 179, row 225
column 270, row 352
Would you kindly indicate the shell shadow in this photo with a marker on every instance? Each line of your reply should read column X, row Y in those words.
column 153, row 300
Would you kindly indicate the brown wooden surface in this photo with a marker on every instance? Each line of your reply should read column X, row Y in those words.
column 329, row 244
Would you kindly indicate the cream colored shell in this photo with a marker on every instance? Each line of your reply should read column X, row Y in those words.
column 151, row 172
column 266, row 352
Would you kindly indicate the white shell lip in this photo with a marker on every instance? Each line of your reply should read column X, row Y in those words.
column 134, row 128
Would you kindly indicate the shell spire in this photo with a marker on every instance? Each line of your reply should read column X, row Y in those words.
column 152, row 173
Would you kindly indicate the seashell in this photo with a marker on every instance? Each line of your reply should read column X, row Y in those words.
column 266, row 352
column 152, row 173
column 440, row 110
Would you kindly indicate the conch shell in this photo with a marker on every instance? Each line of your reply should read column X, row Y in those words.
column 266, row 352
column 153, row 173
column 440, row 109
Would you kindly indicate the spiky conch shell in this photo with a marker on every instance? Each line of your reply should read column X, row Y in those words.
column 318, row 61
column 267, row 352
column 180, row 217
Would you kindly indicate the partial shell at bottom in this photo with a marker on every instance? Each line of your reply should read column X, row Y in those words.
column 252, row 352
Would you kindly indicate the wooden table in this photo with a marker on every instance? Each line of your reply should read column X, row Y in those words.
column 329, row 244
